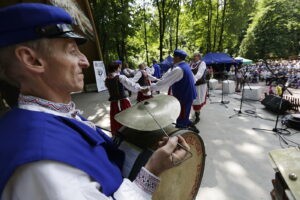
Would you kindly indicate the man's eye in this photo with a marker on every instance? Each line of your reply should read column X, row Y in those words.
column 74, row 52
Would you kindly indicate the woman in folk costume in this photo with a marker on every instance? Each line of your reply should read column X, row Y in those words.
column 129, row 73
column 116, row 84
column 143, row 79
column 199, row 70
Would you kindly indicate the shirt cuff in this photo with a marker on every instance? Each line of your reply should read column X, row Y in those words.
column 147, row 181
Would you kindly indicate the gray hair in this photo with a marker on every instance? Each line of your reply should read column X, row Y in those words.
column 198, row 54
column 142, row 65
column 9, row 71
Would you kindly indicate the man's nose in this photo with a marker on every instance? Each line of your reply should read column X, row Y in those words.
column 83, row 62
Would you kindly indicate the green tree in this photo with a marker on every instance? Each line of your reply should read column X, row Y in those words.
column 274, row 32
column 115, row 25
column 135, row 33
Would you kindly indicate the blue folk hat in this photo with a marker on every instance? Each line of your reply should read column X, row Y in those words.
column 118, row 61
column 180, row 53
column 30, row 21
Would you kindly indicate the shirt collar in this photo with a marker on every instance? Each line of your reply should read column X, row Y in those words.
column 47, row 106
column 196, row 62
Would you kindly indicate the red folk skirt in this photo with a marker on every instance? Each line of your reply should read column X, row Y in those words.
column 115, row 108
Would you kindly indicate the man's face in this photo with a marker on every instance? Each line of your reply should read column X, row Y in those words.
column 196, row 58
column 63, row 68
column 142, row 66
column 176, row 59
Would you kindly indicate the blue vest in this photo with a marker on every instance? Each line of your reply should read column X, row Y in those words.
column 30, row 136
column 184, row 90
column 156, row 71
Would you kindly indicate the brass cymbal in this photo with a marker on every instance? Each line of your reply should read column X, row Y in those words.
column 164, row 108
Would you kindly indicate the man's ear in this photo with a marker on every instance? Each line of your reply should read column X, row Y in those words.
column 29, row 59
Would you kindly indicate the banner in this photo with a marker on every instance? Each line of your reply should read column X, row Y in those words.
column 100, row 75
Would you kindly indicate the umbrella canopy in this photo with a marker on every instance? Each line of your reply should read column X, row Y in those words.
column 244, row 60
column 218, row 58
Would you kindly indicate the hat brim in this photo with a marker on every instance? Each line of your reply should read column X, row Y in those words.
column 78, row 38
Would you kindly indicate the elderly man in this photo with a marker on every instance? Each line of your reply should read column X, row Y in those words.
column 199, row 70
column 47, row 150
column 181, row 81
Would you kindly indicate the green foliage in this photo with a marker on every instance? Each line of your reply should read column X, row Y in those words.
column 274, row 32
column 254, row 30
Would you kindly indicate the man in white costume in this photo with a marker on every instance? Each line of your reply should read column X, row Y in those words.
column 199, row 70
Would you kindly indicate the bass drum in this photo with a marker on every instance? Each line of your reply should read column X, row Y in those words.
column 183, row 182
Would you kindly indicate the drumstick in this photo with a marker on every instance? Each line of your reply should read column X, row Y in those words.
column 178, row 144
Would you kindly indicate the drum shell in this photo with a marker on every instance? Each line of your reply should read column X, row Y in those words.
column 178, row 183
column 182, row 182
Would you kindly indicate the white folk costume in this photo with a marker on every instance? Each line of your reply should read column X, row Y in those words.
column 180, row 79
column 143, row 78
column 116, row 85
column 60, row 155
column 199, row 71
column 150, row 70
column 129, row 73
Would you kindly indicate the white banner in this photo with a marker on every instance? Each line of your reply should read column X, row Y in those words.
column 100, row 75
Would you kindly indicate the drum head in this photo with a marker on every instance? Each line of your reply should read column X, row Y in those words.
column 183, row 182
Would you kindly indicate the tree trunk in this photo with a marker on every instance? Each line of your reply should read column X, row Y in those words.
column 145, row 34
column 215, row 28
column 123, row 47
column 209, row 16
column 160, row 30
column 177, row 23
column 170, row 40
column 118, row 48
column 123, row 34
column 220, row 46
column 117, row 29
column 103, row 42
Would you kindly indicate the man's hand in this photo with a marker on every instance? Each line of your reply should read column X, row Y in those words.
column 167, row 154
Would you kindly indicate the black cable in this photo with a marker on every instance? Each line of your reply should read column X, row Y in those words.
column 251, row 112
column 283, row 133
column 291, row 141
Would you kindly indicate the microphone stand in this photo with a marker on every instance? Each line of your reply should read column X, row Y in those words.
column 208, row 93
column 284, row 88
column 222, row 99
column 239, row 112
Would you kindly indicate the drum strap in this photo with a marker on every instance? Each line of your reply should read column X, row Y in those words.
column 139, row 163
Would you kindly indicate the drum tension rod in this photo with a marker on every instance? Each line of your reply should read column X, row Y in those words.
column 190, row 154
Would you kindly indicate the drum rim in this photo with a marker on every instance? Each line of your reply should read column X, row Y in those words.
column 173, row 133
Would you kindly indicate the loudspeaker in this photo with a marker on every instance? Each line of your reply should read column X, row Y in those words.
column 272, row 103
column 292, row 121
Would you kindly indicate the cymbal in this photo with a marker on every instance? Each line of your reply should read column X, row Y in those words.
column 164, row 108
